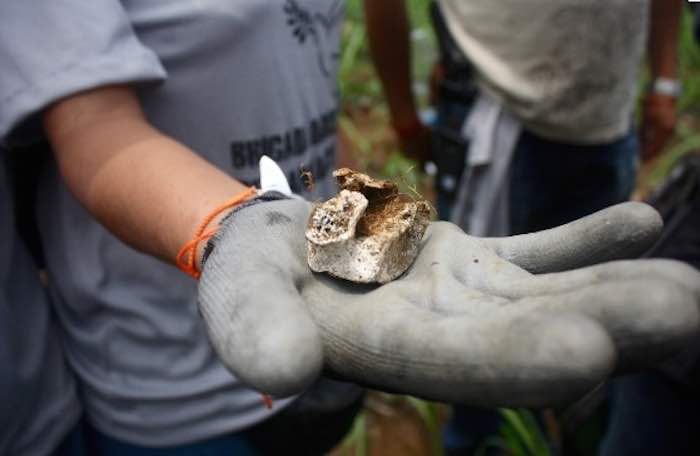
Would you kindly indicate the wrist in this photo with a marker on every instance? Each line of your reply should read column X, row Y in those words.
column 409, row 128
column 664, row 86
column 659, row 100
column 189, row 258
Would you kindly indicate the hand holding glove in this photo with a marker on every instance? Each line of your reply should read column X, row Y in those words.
column 493, row 322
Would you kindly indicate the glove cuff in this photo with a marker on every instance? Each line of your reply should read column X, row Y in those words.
column 262, row 198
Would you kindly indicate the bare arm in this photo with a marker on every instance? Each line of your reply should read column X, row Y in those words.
column 659, row 110
column 664, row 31
column 388, row 32
column 146, row 188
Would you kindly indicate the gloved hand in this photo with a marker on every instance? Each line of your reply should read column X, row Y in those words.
column 490, row 322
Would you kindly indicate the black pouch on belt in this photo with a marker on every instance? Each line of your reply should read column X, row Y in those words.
column 456, row 94
column 449, row 154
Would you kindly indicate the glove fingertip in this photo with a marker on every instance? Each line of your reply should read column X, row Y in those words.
column 284, row 364
column 280, row 359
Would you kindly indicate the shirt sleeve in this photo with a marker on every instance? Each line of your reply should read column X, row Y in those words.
column 51, row 49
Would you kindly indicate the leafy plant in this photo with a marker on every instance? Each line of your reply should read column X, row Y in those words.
column 430, row 415
column 356, row 442
column 519, row 435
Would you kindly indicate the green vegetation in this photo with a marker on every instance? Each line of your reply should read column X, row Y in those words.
column 358, row 82
column 520, row 435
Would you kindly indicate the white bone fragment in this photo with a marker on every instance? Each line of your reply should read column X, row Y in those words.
column 368, row 233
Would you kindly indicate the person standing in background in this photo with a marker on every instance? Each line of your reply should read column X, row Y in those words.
column 535, row 114
column 563, row 91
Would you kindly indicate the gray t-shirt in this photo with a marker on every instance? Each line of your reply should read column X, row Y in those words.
column 38, row 402
column 232, row 79
column 567, row 69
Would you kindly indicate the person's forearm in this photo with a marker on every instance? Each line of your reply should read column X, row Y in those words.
column 663, row 38
column 388, row 32
column 146, row 188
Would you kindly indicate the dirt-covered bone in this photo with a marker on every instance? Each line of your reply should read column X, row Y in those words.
column 369, row 232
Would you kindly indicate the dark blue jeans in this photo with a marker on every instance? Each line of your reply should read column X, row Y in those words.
column 553, row 183
column 73, row 444
column 651, row 415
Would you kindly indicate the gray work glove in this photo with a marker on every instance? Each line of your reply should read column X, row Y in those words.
column 493, row 322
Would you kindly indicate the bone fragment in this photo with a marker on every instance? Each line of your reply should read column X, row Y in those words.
column 367, row 233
